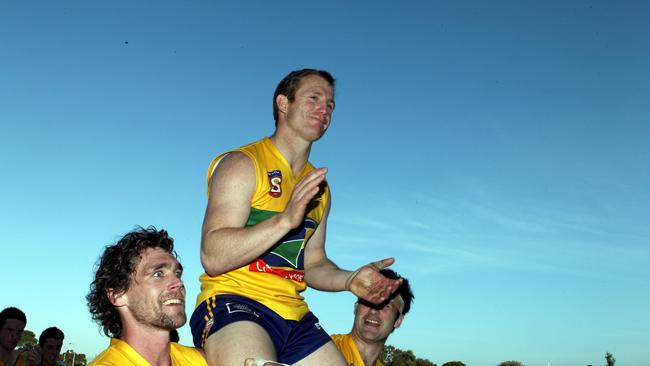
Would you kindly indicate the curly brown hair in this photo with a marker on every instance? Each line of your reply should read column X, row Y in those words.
column 114, row 270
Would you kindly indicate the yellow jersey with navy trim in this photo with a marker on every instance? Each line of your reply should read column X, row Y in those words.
column 349, row 350
column 276, row 278
column 120, row 353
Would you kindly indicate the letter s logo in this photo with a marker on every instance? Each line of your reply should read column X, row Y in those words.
column 275, row 180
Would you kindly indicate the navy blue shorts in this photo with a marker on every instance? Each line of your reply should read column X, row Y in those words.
column 293, row 340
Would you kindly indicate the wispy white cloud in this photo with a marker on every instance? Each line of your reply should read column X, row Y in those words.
column 365, row 222
column 437, row 233
column 510, row 220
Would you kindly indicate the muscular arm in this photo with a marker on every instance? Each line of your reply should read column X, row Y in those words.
column 322, row 274
column 226, row 243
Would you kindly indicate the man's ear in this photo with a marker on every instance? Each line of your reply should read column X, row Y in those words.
column 116, row 298
column 399, row 321
column 282, row 102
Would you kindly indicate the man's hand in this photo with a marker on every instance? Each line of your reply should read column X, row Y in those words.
column 302, row 195
column 33, row 356
column 370, row 285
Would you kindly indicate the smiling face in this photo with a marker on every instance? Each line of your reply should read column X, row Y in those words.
column 156, row 297
column 51, row 349
column 310, row 113
column 374, row 324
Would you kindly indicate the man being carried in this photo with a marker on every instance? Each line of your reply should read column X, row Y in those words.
column 138, row 297
column 263, row 240
column 373, row 323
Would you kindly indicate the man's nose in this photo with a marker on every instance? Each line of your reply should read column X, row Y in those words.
column 176, row 283
column 321, row 107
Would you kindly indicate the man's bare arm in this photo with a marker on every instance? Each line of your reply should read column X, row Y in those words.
column 320, row 272
column 226, row 243
column 323, row 274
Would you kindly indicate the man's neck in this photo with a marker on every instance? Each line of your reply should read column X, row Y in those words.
column 369, row 351
column 152, row 344
column 295, row 151
column 8, row 357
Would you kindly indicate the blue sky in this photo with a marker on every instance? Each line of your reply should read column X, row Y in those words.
column 499, row 150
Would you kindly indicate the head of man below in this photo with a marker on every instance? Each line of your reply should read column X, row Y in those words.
column 138, row 297
column 12, row 324
column 50, row 343
column 373, row 323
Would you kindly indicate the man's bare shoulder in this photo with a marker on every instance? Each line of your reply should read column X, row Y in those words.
column 230, row 189
column 235, row 169
column 235, row 162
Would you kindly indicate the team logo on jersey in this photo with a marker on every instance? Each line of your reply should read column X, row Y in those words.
column 287, row 258
column 234, row 307
column 291, row 249
column 275, row 180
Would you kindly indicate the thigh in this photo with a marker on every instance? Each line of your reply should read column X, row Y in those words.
column 327, row 354
column 234, row 343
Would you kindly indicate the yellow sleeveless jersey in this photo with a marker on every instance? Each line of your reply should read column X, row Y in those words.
column 21, row 360
column 276, row 278
column 348, row 348
column 121, row 353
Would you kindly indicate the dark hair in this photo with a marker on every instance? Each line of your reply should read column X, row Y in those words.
column 12, row 313
column 290, row 84
column 114, row 270
column 50, row 333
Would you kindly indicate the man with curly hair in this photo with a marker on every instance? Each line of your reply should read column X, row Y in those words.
column 138, row 297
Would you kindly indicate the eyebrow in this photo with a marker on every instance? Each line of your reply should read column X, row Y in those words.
column 319, row 92
column 164, row 265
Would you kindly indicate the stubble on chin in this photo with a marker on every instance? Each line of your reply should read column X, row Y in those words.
column 171, row 322
column 156, row 316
